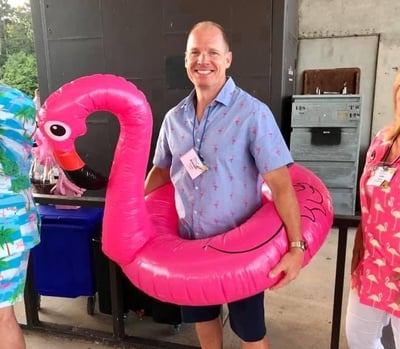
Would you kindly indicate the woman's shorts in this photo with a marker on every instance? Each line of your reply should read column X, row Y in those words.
column 246, row 316
column 12, row 278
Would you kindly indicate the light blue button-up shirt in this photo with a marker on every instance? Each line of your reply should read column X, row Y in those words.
column 238, row 138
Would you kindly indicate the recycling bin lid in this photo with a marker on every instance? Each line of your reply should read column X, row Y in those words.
column 82, row 215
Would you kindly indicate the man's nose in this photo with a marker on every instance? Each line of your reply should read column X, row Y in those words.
column 203, row 58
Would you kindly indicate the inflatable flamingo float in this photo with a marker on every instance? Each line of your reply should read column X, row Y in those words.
column 141, row 234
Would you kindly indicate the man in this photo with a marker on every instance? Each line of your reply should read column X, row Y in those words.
column 217, row 146
column 19, row 217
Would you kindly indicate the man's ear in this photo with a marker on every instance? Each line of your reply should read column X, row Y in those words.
column 228, row 59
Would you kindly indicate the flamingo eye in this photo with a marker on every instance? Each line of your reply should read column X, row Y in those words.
column 57, row 131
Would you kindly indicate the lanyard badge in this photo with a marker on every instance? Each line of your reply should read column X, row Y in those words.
column 193, row 164
column 381, row 176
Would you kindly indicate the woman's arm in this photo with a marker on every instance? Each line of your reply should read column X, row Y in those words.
column 358, row 249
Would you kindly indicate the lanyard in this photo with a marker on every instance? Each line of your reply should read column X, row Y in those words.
column 202, row 133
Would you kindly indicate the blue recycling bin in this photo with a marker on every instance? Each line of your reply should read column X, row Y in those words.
column 63, row 262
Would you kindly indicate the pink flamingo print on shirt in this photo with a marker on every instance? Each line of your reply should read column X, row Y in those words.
column 392, row 251
column 376, row 298
column 396, row 215
column 372, row 279
column 380, row 263
column 373, row 242
column 382, row 228
column 391, row 286
column 378, row 207
column 397, row 236
column 394, row 306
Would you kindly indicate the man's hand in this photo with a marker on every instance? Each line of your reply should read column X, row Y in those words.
column 290, row 265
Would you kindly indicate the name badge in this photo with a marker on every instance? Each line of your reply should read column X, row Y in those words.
column 381, row 176
column 193, row 164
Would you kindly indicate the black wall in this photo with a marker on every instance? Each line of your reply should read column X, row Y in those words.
column 144, row 41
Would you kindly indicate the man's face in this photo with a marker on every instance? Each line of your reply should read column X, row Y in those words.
column 207, row 58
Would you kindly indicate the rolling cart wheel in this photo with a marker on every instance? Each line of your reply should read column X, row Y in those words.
column 91, row 302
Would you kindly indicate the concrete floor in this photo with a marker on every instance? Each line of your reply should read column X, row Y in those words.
column 298, row 316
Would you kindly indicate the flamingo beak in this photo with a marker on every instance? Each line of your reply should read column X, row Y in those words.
column 78, row 172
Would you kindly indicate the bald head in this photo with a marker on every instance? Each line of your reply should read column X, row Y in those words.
column 206, row 25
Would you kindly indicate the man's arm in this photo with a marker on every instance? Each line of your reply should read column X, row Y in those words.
column 157, row 177
column 285, row 200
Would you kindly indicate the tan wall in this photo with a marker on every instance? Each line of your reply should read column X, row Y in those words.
column 336, row 19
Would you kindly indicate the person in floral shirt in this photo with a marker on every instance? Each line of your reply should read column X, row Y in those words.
column 374, row 299
column 19, row 230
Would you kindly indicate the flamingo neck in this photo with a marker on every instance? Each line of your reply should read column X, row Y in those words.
column 127, row 225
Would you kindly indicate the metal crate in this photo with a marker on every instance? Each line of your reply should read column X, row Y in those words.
column 325, row 138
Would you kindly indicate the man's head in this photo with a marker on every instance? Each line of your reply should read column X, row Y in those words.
column 207, row 56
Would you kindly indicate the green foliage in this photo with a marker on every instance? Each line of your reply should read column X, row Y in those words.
column 19, row 31
column 5, row 14
column 9, row 166
column 17, row 54
column 20, row 72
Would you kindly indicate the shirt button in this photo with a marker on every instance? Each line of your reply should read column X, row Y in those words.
column 195, row 212
column 198, row 139
column 197, row 188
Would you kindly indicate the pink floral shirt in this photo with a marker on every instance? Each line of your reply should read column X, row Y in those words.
column 380, row 217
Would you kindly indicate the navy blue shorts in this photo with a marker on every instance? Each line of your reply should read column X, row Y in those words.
column 246, row 316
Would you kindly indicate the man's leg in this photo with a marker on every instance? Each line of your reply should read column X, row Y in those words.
column 247, row 320
column 208, row 324
column 262, row 344
column 10, row 331
column 12, row 282
column 210, row 333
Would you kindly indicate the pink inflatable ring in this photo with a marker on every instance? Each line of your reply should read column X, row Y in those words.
column 141, row 234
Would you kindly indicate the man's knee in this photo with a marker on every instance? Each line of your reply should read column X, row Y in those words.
column 6, row 314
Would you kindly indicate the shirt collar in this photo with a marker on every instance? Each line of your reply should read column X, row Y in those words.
column 224, row 96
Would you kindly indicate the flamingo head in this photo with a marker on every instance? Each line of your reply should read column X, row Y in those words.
column 62, row 119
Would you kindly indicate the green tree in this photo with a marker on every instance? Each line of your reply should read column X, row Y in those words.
column 19, row 30
column 5, row 14
column 17, row 53
column 20, row 72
